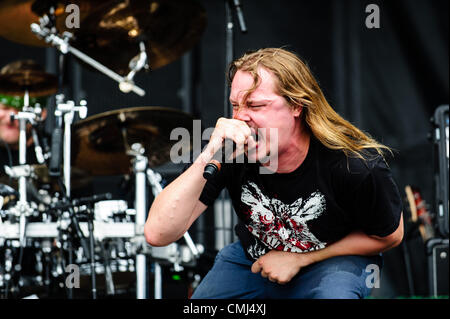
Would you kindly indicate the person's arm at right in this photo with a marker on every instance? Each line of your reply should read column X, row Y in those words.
column 175, row 209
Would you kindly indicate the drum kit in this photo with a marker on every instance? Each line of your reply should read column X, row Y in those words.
column 44, row 230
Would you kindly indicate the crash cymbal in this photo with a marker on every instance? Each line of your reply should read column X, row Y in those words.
column 100, row 141
column 16, row 16
column 26, row 75
column 111, row 34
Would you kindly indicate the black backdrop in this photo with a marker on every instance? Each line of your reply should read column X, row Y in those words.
column 388, row 81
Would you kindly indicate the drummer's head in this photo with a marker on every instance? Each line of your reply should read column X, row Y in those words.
column 9, row 130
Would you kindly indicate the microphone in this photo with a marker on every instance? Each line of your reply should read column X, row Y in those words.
column 211, row 169
column 214, row 166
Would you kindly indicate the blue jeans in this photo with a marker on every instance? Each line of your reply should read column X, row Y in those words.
column 341, row 277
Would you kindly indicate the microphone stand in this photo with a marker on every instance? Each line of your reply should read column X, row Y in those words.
column 240, row 15
column 230, row 7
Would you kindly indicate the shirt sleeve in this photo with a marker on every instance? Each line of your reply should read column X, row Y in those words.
column 377, row 203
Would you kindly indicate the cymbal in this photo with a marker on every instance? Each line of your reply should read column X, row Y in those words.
column 26, row 75
column 111, row 34
column 110, row 31
column 16, row 16
column 100, row 141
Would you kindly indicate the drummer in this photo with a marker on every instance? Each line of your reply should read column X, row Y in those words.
column 9, row 131
column 12, row 79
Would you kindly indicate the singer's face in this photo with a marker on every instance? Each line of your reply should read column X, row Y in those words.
column 264, row 111
column 9, row 131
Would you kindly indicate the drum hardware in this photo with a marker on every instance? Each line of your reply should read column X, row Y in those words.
column 109, row 283
column 153, row 124
column 90, row 218
column 140, row 163
column 17, row 15
column 175, row 255
column 103, row 228
column 136, row 64
column 61, row 42
column 110, row 210
column 67, row 111
column 167, row 28
column 23, row 171
column 7, row 194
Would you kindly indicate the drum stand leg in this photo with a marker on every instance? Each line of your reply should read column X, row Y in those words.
column 109, row 282
column 92, row 252
column 140, row 163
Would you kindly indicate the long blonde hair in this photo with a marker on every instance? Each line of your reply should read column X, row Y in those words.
column 300, row 89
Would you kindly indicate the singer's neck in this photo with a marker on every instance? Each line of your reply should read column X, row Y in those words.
column 288, row 160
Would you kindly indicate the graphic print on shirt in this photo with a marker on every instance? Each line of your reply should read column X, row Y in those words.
column 281, row 226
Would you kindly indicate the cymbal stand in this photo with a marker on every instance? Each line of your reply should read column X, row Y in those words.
column 23, row 171
column 45, row 31
column 67, row 110
column 90, row 218
column 140, row 163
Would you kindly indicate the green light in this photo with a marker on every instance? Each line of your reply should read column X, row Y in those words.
column 176, row 277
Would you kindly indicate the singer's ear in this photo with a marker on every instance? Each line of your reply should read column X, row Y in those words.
column 297, row 110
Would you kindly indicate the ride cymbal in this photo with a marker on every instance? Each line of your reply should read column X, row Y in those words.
column 26, row 75
column 16, row 16
column 100, row 142
column 111, row 34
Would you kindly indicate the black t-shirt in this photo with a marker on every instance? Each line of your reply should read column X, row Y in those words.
column 328, row 196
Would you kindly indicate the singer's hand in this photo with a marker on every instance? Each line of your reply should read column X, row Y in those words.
column 237, row 131
column 280, row 266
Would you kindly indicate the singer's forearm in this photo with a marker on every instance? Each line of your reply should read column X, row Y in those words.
column 358, row 243
column 174, row 210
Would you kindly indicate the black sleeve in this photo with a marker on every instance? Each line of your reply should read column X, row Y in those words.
column 212, row 188
column 377, row 203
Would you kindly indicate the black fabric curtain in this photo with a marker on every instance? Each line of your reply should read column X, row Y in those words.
column 389, row 81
